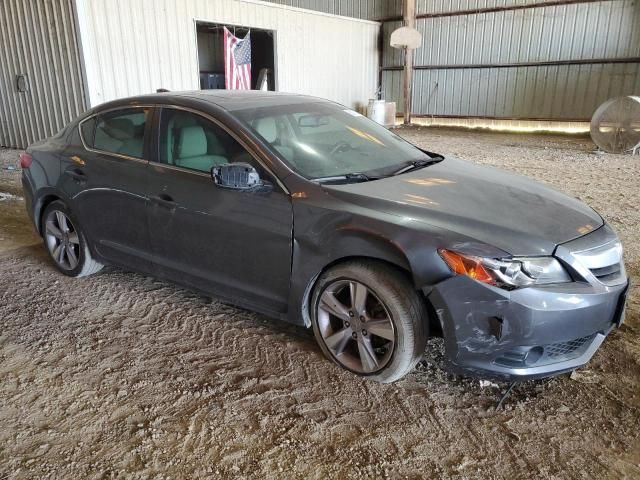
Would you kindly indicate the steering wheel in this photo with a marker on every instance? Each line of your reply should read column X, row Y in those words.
column 341, row 146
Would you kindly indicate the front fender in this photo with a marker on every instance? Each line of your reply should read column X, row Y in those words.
column 334, row 241
column 325, row 234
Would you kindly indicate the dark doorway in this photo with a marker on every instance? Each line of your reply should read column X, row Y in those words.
column 211, row 55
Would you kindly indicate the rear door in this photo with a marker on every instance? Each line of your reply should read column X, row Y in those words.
column 107, row 183
column 236, row 244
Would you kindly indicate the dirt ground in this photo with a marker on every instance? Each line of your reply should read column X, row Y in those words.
column 122, row 376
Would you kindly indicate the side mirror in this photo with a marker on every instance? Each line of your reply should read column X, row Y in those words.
column 237, row 176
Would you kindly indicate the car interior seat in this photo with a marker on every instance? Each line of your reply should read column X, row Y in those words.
column 120, row 135
column 192, row 150
column 268, row 129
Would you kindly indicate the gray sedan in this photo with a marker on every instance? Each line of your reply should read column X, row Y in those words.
column 306, row 211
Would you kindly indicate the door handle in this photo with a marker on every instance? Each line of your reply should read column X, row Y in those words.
column 78, row 175
column 164, row 200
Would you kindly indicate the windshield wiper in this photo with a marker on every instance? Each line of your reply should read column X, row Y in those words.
column 417, row 164
column 347, row 177
column 355, row 177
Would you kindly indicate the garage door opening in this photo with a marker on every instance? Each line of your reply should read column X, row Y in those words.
column 211, row 55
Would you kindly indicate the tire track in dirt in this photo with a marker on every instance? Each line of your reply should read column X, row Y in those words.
column 249, row 387
column 121, row 374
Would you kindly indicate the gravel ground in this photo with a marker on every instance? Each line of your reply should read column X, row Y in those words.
column 120, row 375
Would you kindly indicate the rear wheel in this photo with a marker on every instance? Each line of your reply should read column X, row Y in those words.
column 66, row 244
column 368, row 319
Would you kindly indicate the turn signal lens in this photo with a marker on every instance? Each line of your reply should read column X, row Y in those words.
column 467, row 265
column 25, row 160
column 507, row 273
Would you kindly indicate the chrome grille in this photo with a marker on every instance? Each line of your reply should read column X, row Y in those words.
column 604, row 262
column 607, row 274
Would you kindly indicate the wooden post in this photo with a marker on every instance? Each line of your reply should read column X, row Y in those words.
column 409, row 21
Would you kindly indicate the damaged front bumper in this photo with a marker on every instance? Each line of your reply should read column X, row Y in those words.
column 527, row 333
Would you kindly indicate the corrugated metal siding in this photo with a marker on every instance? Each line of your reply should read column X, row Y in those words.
column 441, row 6
column 391, row 56
column 38, row 38
column 566, row 92
column 366, row 9
column 132, row 48
column 579, row 31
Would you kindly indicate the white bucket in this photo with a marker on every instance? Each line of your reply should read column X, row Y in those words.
column 389, row 114
column 382, row 112
column 376, row 111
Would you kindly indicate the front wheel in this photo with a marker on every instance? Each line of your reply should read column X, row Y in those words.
column 368, row 319
column 66, row 244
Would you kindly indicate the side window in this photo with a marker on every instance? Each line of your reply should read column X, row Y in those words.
column 88, row 129
column 190, row 141
column 120, row 131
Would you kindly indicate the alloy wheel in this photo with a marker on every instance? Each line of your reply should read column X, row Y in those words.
column 62, row 240
column 355, row 326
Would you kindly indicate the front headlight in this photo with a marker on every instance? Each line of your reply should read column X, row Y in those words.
column 507, row 273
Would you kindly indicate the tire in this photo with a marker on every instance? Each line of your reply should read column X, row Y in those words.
column 68, row 249
column 336, row 307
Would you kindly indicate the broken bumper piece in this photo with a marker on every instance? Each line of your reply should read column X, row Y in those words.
column 527, row 333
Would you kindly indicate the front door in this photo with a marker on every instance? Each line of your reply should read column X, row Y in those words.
column 231, row 243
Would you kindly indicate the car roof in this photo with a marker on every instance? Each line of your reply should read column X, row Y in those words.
column 226, row 99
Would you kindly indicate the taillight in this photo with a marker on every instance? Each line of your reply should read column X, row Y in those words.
column 25, row 160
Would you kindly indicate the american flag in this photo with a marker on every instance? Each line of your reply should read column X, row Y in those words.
column 237, row 61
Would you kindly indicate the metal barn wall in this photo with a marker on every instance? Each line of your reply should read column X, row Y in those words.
column 132, row 48
column 38, row 39
column 442, row 6
column 366, row 9
column 553, row 62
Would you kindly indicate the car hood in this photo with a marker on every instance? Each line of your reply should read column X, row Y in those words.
column 508, row 211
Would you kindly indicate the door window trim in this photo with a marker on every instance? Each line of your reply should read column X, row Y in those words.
column 179, row 169
column 147, row 131
column 216, row 122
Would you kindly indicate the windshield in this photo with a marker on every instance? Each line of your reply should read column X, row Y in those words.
column 321, row 140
